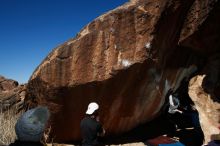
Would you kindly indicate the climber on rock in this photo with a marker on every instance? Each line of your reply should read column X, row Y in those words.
column 174, row 103
column 91, row 128
column 172, row 108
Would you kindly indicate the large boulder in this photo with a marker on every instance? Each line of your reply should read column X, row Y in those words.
column 126, row 60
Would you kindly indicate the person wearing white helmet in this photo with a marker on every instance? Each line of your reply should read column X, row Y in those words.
column 91, row 128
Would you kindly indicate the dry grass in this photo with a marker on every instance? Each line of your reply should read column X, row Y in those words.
column 8, row 120
column 45, row 138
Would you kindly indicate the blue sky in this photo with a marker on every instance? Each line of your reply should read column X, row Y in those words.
column 30, row 29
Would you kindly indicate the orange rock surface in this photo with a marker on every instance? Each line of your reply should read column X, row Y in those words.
column 126, row 60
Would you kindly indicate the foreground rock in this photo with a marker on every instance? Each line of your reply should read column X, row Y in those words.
column 30, row 126
column 207, row 106
column 126, row 60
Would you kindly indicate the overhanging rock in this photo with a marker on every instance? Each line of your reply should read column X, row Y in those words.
column 126, row 60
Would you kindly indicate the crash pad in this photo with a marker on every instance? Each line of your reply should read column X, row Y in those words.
column 163, row 141
column 172, row 144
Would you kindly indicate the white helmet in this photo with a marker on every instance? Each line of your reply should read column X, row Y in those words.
column 93, row 106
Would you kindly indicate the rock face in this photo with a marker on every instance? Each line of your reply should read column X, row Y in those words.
column 126, row 60
column 7, row 84
column 11, row 94
column 207, row 106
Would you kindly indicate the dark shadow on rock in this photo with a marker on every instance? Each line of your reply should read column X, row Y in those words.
column 161, row 126
column 25, row 143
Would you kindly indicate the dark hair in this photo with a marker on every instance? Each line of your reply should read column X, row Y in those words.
column 175, row 94
column 95, row 113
